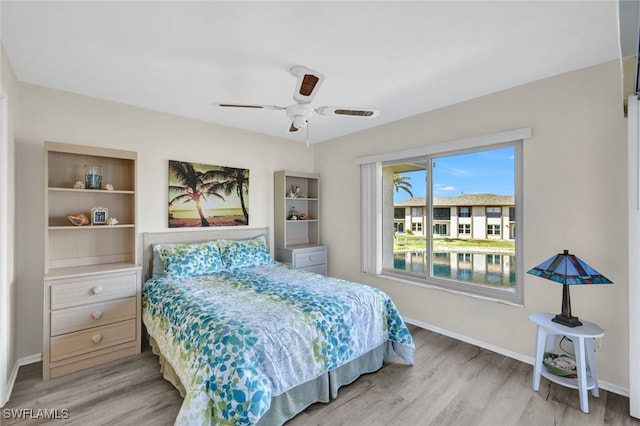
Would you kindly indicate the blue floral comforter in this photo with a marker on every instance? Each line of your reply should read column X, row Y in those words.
column 238, row 338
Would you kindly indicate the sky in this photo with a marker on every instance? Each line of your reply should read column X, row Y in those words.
column 482, row 172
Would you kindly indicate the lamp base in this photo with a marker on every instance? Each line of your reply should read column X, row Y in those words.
column 566, row 321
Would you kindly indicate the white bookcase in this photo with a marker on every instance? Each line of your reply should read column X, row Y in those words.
column 92, row 283
column 297, row 221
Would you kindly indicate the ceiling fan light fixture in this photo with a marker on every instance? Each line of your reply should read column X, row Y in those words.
column 308, row 82
column 299, row 122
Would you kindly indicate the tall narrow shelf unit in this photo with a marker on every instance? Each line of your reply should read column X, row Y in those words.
column 92, row 281
column 297, row 239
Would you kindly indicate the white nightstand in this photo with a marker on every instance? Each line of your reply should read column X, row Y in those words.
column 310, row 258
column 582, row 338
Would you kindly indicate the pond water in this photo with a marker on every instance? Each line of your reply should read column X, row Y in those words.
column 490, row 269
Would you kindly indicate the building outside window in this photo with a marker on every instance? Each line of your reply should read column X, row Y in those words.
column 464, row 229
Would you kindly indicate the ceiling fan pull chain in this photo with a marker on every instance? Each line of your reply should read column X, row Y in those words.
column 308, row 135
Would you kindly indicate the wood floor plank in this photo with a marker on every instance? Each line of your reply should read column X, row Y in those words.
column 451, row 383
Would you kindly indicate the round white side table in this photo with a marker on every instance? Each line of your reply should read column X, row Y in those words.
column 582, row 337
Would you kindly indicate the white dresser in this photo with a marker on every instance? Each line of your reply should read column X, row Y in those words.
column 90, row 319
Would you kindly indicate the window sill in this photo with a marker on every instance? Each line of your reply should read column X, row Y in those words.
column 424, row 283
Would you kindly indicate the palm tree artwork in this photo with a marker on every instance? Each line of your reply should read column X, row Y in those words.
column 206, row 195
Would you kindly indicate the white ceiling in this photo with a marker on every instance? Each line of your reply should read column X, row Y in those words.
column 403, row 58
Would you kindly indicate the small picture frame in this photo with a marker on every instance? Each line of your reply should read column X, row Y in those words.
column 99, row 215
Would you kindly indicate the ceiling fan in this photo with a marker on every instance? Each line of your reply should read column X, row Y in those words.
column 307, row 84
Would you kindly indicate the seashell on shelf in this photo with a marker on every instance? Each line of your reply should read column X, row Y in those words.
column 79, row 219
column 79, row 185
column 112, row 221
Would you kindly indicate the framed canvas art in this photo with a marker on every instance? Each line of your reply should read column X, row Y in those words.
column 207, row 195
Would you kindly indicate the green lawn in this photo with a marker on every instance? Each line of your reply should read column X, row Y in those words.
column 417, row 243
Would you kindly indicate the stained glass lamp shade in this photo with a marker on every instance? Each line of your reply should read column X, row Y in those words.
column 567, row 269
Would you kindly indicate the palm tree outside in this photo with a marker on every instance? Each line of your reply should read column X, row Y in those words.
column 402, row 182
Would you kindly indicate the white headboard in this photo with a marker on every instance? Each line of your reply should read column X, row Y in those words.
column 191, row 236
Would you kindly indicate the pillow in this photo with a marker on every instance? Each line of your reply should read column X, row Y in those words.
column 190, row 260
column 245, row 253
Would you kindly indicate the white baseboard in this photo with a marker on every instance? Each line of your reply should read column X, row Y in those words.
column 502, row 351
column 31, row 359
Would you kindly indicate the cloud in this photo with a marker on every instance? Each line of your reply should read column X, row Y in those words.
column 439, row 188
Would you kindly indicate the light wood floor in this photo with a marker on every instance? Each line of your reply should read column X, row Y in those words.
column 452, row 383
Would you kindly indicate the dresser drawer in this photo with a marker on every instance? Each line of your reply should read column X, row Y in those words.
column 65, row 294
column 318, row 269
column 309, row 258
column 81, row 342
column 94, row 315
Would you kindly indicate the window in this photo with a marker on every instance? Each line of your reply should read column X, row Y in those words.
column 469, row 251
column 398, row 213
column 494, row 212
column 416, row 212
column 416, row 226
column 440, row 229
column 464, row 211
column 441, row 213
column 493, row 229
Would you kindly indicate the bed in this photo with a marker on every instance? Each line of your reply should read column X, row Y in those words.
column 250, row 341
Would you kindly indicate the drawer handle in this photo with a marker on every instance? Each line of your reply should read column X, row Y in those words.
column 97, row 338
column 97, row 315
column 97, row 289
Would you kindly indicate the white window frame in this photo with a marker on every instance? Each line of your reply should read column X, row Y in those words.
column 371, row 204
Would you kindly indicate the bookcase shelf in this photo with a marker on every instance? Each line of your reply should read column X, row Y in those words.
column 92, row 284
column 297, row 221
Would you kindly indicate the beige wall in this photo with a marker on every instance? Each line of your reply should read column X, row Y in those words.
column 575, row 179
column 47, row 114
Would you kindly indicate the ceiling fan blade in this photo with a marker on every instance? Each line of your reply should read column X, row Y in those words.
column 356, row 112
column 256, row 106
column 307, row 85
column 293, row 128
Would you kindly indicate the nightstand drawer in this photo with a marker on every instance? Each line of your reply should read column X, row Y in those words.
column 94, row 315
column 96, row 289
column 309, row 258
column 81, row 342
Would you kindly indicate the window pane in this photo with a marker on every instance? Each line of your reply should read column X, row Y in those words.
column 476, row 187
column 405, row 248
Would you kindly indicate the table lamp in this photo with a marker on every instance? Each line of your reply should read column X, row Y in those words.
column 567, row 269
